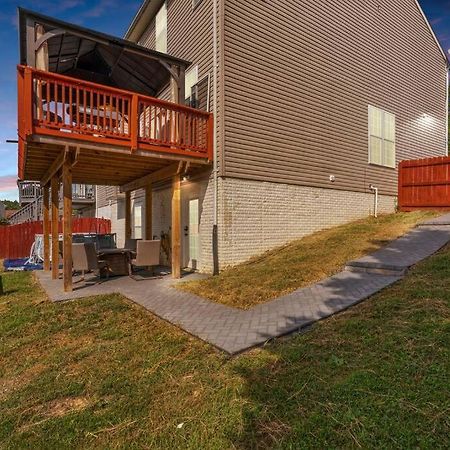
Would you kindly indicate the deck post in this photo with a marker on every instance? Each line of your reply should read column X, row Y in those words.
column 148, row 212
column 55, row 226
column 177, row 96
column 176, row 226
column 46, row 227
column 67, row 225
column 128, row 215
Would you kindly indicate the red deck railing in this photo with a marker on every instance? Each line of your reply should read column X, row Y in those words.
column 424, row 184
column 16, row 240
column 57, row 105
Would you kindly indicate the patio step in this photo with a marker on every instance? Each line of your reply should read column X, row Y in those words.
column 353, row 266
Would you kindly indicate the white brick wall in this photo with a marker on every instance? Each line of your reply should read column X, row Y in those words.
column 253, row 216
column 257, row 216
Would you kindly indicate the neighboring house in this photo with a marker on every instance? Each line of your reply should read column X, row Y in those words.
column 31, row 199
column 314, row 102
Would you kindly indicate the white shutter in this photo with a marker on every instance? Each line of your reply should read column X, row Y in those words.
column 161, row 29
column 381, row 137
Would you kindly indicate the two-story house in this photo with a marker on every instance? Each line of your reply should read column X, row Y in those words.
column 314, row 101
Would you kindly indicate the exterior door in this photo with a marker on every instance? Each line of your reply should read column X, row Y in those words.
column 137, row 220
column 191, row 235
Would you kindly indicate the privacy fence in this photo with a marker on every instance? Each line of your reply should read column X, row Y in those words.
column 16, row 240
column 424, row 184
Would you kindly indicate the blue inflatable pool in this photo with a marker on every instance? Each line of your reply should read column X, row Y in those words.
column 20, row 264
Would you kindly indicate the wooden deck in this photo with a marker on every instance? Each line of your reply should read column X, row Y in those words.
column 110, row 128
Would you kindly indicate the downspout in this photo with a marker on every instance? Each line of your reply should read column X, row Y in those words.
column 375, row 191
column 215, row 239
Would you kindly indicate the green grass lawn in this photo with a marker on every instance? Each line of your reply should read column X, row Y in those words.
column 303, row 262
column 104, row 373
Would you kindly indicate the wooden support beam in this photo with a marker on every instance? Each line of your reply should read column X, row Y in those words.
column 46, row 227
column 67, row 225
column 176, row 226
column 148, row 212
column 128, row 215
column 160, row 175
column 55, row 224
column 55, row 167
column 69, row 155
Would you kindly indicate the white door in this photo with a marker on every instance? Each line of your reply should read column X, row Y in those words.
column 137, row 220
column 191, row 235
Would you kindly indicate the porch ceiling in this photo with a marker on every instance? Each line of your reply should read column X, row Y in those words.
column 86, row 54
column 96, row 166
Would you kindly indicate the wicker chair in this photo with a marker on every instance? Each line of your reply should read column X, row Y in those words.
column 147, row 254
column 84, row 258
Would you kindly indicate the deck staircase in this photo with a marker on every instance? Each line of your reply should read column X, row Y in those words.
column 31, row 198
column 30, row 212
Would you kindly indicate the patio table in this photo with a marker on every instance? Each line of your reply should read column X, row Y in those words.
column 92, row 118
column 118, row 259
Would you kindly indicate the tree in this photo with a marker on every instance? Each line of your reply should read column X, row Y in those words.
column 11, row 204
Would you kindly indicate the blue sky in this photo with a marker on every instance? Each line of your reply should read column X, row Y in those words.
column 109, row 16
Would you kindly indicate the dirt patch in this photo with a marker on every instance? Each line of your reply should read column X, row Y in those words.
column 62, row 407
column 55, row 409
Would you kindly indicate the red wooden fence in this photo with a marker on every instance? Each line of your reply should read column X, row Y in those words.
column 424, row 184
column 16, row 240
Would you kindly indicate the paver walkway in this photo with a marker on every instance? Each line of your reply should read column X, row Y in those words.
column 233, row 330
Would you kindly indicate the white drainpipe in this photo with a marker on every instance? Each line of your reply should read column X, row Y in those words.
column 375, row 191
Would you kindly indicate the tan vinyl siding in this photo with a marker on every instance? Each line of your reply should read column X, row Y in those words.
column 148, row 39
column 189, row 34
column 189, row 37
column 105, row 194
column 299, row 77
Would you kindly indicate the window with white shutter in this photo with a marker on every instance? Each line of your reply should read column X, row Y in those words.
column 381, row 137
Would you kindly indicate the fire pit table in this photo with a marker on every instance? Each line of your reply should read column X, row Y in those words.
column 118, row 259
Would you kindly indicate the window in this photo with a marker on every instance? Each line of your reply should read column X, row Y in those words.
column 190, row 80
column 381, row 137
column 137, row 220
column 161, row 29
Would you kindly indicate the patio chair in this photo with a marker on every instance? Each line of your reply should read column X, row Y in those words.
column 147, row 255
column 84, row 258
column 131, row 244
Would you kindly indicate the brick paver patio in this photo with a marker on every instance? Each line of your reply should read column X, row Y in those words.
column 233, row 330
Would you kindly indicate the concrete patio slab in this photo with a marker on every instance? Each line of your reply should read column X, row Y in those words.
column 233, row 330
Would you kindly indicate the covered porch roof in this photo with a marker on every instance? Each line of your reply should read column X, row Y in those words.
column 93, row 56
